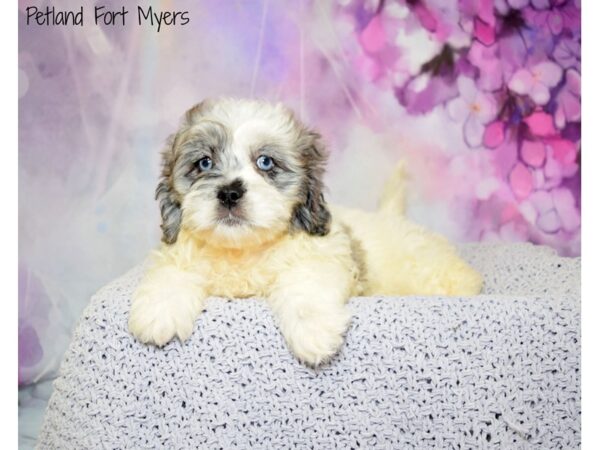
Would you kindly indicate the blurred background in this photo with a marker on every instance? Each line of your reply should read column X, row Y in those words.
column 481, row 98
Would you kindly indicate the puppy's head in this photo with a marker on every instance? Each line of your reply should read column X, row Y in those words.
column 241, row 171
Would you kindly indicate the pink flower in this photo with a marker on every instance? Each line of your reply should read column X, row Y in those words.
column 425, row 16
column 552, row 159
column 537, row 81
column 569, row 100
column 482, row 8
column 520, row 181
column 513, row 53
column 549, row 222
column 564, row 151
column 564, row 203
column 489, row 65
column 505, row 157
column 473, row 108
column 379, row 58
column 373, row 37
column 485, row 10
column 484, row 32
column 498, row 62
column 445, row 17
column 533, row 153
column 540, row 124
column 493, row 135
column 541, row 201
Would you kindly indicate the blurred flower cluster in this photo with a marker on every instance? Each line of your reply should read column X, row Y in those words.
column 508, row 73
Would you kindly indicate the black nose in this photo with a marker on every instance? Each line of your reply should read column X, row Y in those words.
column 231, row 194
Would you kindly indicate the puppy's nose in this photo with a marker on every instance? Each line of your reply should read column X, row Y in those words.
column 230, row 195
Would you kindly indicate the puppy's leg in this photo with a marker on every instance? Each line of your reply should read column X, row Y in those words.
column 449, row 275
column 423, row 263
column 166, row 303
column 403, row 258
column 309, row 305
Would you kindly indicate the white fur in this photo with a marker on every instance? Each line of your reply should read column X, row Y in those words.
column 306, row 279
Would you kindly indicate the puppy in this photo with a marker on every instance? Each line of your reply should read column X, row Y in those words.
column 243, row 214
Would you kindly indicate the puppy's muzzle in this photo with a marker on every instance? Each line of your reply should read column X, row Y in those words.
column 229, row 195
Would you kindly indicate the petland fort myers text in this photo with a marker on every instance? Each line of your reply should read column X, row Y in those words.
column 103, row 15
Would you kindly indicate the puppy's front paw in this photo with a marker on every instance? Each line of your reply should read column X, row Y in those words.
column 157, row 316
column 315, row 335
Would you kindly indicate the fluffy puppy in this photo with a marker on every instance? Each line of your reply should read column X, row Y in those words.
column 243, row 214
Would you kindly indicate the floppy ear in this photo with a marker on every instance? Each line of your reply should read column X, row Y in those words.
column 312, row 214
column 168, row 199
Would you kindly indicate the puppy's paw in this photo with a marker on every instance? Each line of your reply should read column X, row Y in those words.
column 462, row 280
column 157, row 316
column 314, row 335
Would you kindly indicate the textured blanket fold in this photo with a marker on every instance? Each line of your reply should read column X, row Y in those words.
column 500, row 370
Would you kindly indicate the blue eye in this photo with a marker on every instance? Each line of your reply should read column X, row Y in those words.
column 264, row 162
column 205, row 163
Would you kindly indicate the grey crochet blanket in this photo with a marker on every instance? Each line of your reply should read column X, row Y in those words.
column 500, row 370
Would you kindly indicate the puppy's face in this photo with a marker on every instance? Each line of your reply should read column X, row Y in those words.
column 240, row 172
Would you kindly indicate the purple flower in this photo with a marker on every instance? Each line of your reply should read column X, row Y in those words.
column 436, row 83
column 425, row 92
column 536, row 81
column 30, row 350
column 540, row 4
column 490, row 66
column 567, row 53
column 473, row 108
column 425, row 15
column 552, row 210
column 569, row 100
column 554, row 15
column 504, row 6
column 508, row 73
column 33, row 310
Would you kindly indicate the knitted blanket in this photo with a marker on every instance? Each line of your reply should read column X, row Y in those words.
column 500, row 370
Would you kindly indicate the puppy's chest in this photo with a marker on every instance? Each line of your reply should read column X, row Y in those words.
column 237, row 278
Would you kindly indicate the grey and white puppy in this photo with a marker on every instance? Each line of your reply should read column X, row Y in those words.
column 243, row 214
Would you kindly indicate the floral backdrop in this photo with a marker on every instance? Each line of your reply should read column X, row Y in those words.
column 481, row 99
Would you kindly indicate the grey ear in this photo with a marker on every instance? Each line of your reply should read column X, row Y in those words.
column 312, row 214
column 168, row 200
column 167, row 196
column 197, row 111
